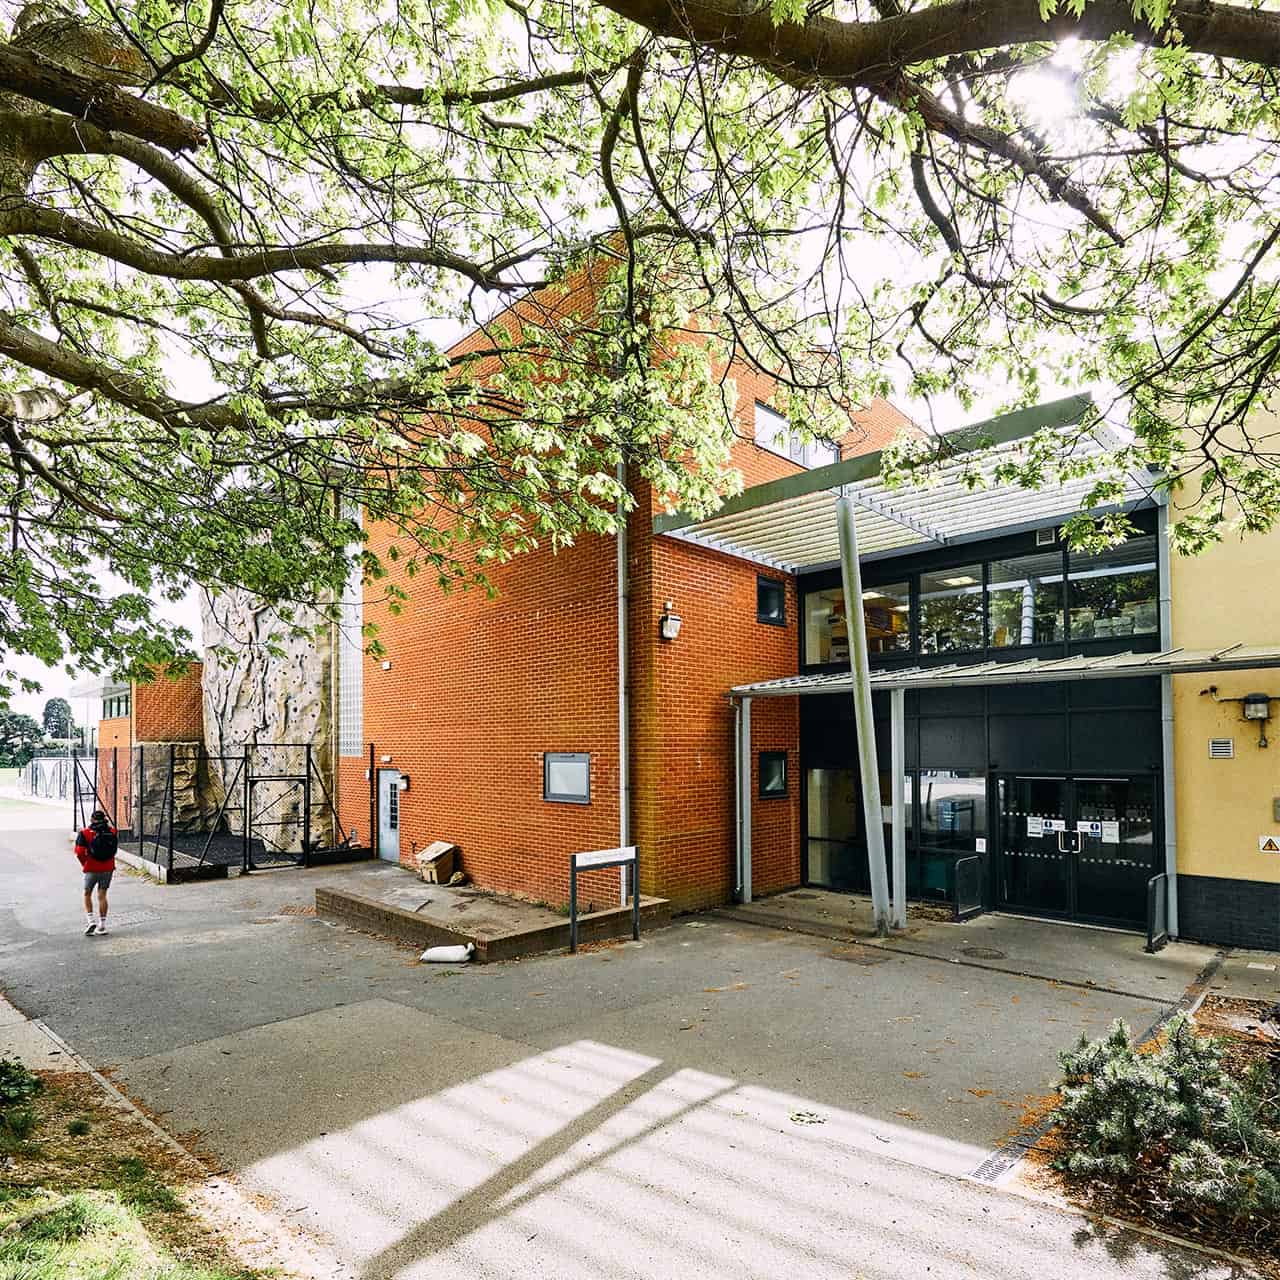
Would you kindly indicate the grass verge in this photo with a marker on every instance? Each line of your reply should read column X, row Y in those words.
column 89, row 1193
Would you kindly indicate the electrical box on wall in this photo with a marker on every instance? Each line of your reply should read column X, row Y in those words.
column 1275, row 809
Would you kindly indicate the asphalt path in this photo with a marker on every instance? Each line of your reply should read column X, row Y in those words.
column 720, row 1100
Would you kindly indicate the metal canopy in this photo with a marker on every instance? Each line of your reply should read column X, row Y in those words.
column 1172, row 662
column 791, row 523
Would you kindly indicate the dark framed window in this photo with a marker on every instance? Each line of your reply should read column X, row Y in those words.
column 951, row 609
column 773, row 774
column 886, row 615
column 566, row 777
column 1024, row 600
column 771, row 601
column 1115, row 593
column 116, row 706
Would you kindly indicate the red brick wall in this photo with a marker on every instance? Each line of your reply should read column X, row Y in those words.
column 114, row 732
column 479, row 688
column 169, row 710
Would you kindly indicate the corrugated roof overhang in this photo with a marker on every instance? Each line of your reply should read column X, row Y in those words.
column 1236, row 657
column 791, row 524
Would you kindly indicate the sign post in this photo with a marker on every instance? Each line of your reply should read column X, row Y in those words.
column 596, row 860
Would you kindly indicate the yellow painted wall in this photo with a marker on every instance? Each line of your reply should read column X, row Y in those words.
column 1226, row 595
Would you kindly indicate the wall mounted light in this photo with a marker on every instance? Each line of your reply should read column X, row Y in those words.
column 669, row 622
column 404, row 782
column 386, row 666
column 1254, row 706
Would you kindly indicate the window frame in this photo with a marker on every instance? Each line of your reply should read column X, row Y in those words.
column 565, row 757
column 761, row 793
column 763, row 581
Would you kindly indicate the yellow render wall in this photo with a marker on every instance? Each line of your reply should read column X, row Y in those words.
column 1226, row 595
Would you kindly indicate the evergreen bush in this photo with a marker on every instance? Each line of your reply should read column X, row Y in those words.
column 1177, row 1111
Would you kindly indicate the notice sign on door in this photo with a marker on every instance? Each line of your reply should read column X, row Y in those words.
column 1089, row 829
column 1035, row 826
column 1110, row 833
column 1269, row 844
column 1053, row 824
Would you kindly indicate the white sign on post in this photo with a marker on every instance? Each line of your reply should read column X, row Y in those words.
column 608, row 856
column 1035, row 826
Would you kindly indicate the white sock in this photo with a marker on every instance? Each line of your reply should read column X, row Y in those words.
column 90, row 918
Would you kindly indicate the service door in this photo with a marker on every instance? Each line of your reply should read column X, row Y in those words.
column 389, row 815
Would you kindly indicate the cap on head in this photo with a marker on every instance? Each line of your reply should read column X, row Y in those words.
column 98, row 816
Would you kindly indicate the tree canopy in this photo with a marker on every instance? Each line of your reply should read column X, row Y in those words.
column 57, row 718
column 232, row 236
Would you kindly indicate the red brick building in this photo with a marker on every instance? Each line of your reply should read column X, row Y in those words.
column 483, row 706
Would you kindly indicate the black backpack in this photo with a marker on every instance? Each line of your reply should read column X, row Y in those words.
column 102, row 848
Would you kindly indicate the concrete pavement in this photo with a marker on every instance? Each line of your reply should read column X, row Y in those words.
column 720, row 1100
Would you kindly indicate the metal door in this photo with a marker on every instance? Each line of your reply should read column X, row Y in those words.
column 389, row 814
column 1035, row 861
column 1077, row 848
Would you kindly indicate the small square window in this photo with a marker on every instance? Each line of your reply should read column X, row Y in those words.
column 773, row 774
column 771, row 601
column 566, row 777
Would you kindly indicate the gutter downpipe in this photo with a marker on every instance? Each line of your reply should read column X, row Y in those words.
column 873, row 817
column 1166, row 712
column 624, row 689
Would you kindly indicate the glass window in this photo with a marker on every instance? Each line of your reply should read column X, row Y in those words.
column 1114, row 593
column 772, row 433
column 771, row 601
column 566, row 777
column 773, row 773
column 886, row 613
column 953, row 808
column 951, row 609
column 1024, row 600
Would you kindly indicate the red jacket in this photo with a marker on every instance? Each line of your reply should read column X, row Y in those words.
column 84, row 844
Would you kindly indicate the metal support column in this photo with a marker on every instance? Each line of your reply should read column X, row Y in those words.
column 246, row 826
column 173, row 761
column 744, row 802
column 851, row 575
column 1166, row 714
column 898, row 757
column 306, row 808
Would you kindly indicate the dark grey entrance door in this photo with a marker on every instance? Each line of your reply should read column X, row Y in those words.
column 1076, row 848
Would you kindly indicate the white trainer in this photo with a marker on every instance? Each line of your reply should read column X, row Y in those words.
column 102, row 928
column 90, row 927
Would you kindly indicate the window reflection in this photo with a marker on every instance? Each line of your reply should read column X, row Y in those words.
column 951, row 609
column 953, row 808
column 886, row 612
column 1024, row 600
column 1114, row 593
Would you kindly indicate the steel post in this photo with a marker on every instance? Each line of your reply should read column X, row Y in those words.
column 306, row 809
column 898, row 755
column 573, row 905
column 173, row 759
column 873, row 818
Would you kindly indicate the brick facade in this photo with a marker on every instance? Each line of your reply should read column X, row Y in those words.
column 169, row 709
column 479, row 687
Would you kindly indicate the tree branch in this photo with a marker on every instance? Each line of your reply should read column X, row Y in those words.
column 32, row 75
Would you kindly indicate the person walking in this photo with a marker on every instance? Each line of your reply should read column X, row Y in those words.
column 96, row 848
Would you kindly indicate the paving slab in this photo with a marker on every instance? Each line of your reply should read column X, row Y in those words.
column 1248, row 975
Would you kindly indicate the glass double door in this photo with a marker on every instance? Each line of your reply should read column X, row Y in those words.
column 1078, row 848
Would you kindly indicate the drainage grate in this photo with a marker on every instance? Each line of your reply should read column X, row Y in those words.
column 805, row 896
column 858, row 955
column 296, row 909
column 983, row 953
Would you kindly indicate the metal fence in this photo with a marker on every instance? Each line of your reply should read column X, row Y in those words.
column 968, row 881
column 47, row 777
column 1157, row 911
column 179, row 806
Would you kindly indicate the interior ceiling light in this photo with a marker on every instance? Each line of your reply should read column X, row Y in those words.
column 963, row 580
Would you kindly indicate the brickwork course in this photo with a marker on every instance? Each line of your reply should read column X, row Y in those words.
column 479, row 687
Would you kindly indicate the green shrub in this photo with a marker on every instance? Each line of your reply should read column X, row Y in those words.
column 18, row 1122
column 1176, row 1109
column 17, row 1084
column 78, row 1128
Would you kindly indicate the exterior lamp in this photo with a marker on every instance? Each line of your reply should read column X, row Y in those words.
column 1253, row 706
column 669, row 622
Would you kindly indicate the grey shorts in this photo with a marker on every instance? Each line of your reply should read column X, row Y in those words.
column 97, row 879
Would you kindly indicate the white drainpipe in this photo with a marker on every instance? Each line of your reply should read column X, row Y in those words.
column 624, row 740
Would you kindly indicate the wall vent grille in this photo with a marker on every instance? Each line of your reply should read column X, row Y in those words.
column 1222, row 748
column 1046, row 537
